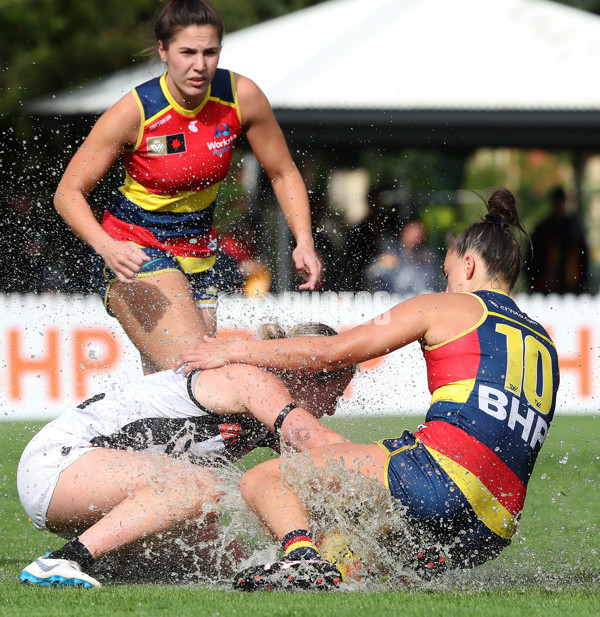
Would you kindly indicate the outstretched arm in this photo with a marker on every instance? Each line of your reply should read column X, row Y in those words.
column 405, row 323
column 251, row 391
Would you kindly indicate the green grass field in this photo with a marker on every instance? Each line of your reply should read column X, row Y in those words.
column 552, row 567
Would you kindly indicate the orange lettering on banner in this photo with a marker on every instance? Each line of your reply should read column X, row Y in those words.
column 581, row 361
column 84, row 364
column 19, row 366
column 371, row 364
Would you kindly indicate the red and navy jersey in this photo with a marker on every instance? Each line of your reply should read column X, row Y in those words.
column 174, row 170
column 493, row 398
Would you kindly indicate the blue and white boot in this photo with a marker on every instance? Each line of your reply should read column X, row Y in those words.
column 49, row 572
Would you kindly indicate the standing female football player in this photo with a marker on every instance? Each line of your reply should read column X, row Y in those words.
column 461, row 479
column 176, row 134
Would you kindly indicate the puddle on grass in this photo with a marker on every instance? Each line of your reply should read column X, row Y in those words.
column 357, row 508
column 556, row 547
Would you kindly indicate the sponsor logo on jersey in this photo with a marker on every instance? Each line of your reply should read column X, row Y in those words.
column 192, row 126
column 526, row 422
column 160, row 122
column 166, row 144
column 223, row 141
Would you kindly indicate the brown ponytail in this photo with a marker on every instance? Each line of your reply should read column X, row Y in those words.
column 493, row 238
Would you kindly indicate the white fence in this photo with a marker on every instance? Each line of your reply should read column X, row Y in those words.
column 56, row 350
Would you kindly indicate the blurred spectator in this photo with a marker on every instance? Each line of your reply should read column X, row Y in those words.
column 409, row 268
column 559, row 262
column 25, row 248
column 39, row 255
column 240, row 268
column 365, row 240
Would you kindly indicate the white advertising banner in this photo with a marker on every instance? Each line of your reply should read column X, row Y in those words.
column 57, row 350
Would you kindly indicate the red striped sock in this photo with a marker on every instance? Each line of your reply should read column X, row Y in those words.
column 298, row 544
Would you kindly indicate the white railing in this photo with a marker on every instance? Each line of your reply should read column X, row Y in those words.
column 57, row 350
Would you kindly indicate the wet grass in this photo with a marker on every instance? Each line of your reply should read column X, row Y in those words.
column 551, row 568
column 150, row 601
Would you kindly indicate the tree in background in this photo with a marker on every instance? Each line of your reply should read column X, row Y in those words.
column 592, row 6
column 46, row 45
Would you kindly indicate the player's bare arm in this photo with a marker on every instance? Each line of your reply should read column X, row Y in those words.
column 254, row 392
column 116, row 130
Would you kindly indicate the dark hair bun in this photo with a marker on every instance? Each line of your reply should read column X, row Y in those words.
column 503, row 204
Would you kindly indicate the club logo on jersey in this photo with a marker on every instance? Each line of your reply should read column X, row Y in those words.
column 166, row 144
column 223, row 141
column 222, row 130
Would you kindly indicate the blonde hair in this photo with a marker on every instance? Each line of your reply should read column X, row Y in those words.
column 270, row 331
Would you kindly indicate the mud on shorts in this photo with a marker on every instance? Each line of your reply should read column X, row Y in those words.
column 203, row 282
column 435, row 505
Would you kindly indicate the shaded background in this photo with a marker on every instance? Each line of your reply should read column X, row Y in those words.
column 425, row 166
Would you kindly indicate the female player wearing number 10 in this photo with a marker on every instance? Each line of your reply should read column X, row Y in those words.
column 461, row 478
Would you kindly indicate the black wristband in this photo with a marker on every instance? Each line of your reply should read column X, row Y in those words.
column 281, row 417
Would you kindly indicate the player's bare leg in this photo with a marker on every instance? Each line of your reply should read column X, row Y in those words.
column 277, row 505
column 123, row 497
column 286, row 518
column 160, row 316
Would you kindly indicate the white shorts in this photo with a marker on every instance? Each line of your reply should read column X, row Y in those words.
column 50, row 452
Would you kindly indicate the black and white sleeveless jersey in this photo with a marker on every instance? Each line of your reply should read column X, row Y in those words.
column 160, row 413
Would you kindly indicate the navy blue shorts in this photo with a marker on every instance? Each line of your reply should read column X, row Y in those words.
column 435, row 505
column 203, row 283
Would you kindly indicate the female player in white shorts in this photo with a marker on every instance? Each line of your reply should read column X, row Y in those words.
column 135, row 461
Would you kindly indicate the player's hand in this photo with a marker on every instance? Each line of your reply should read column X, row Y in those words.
column 308, row 265
column 125, row 259
column 206, row 355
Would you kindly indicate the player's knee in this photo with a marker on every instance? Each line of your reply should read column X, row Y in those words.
column 248, row 483
column 255, row 479
column 196, row 484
